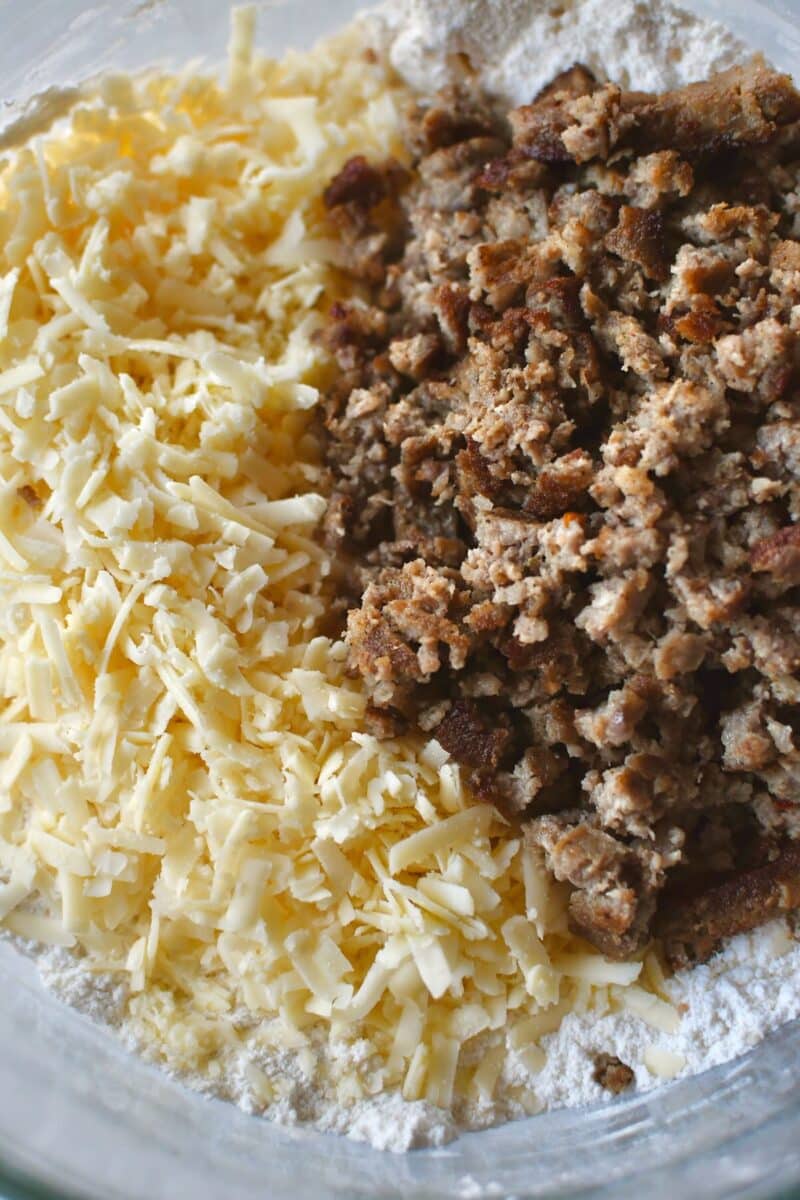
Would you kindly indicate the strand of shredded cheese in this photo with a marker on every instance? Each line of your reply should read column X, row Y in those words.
column 185, row 794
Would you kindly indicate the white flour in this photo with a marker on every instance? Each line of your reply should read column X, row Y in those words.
column 750, row 988
column 518, row 46
column 732, row 1002
column 728, row 1006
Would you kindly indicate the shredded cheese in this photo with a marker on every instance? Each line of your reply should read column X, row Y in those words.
column 186, row 793
column 663, row 1063
column 655, row 1012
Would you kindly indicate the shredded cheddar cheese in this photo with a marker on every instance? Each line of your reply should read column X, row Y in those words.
column 187, row 796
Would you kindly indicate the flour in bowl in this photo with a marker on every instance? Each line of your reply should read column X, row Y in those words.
column 728, row 1005
column 517, row 46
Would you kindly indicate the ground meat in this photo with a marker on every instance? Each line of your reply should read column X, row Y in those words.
column 656, row 178
column 692, row 926
column 357, row 183
column 779, row 554
column 463, row 732
column 414, row 355
column 611, row 899
column 405, row 630
column 738, row 108
column 564, row 449
column 639, row 236
column 354, row 199
column 612, row 1073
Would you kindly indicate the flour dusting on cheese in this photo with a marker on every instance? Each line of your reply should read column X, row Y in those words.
column 301, row 916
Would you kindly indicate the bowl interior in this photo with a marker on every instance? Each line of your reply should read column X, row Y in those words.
column 81, row 1117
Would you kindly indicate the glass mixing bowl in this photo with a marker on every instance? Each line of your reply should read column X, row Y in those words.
column 81, row 1118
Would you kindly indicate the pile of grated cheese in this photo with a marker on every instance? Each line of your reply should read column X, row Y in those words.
column 187, row 799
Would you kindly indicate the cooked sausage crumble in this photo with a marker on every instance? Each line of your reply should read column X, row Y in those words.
column 564, row 446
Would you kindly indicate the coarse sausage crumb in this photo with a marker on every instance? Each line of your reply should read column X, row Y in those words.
column 612, row 1073
column 564, row 453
